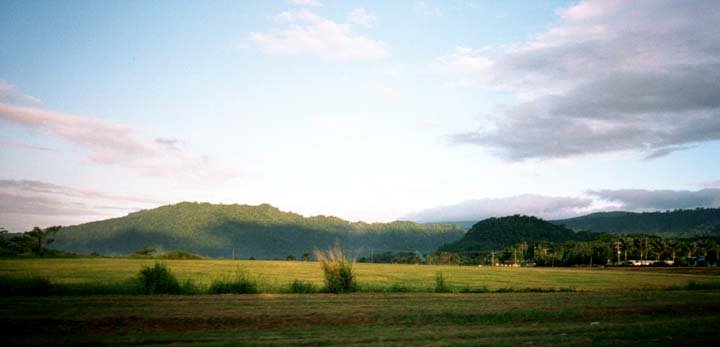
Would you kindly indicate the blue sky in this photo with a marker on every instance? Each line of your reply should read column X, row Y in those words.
column 368, row 110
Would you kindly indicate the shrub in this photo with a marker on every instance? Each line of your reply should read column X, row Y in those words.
column 692, row 285
column 338, row 270
column 399, row 288
column 39, row 286
column 157, row 280
column 241, row 283
column 440, row 285
column 302, row 287
column 178, row 255
column 467, row 289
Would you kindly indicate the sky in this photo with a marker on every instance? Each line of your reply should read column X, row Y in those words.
column 366, row 110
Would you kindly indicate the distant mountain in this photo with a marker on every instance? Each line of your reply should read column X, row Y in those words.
column 498, row 233
column 263, row 232
column 678, row 223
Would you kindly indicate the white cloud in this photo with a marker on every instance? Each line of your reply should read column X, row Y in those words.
column 313, row 3
column 549, row 207
column 307, row 34
column 362, row 17
column 610, row 76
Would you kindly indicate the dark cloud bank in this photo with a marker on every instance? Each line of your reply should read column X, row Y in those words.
column 610, row 76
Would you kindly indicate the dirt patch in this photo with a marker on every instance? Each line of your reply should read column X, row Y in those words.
column 125, row 323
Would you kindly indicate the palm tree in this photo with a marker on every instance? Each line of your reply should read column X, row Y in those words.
column 627, row 245
column 676, row 246
column 659, row 246
column 618, row 246
column 690, row 248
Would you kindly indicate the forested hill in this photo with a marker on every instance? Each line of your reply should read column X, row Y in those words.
column 678, row 223
column 498, row 233
column 263, row 232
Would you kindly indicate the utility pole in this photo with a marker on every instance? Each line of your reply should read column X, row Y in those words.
column 372, row 255
column 492, row 254
column 233, row 253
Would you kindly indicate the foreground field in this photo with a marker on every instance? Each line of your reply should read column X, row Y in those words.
column 658, row 318
column 274, row 276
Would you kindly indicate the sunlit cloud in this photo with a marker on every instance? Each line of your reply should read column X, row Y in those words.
column 304, row 33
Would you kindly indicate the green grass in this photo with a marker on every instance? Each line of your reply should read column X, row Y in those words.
column 274, row 276
column 487, row 306
column 653, row 318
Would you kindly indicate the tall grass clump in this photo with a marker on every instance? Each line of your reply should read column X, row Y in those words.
column 338, row 270
column 241, row 283
column 441, row 285
column 157, row 280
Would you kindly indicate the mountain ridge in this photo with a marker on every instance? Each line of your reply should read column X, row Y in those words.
column 260, row 231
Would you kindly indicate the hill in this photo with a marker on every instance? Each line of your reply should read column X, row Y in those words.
column 678, row 223
column 498, row 233
column 262, row 231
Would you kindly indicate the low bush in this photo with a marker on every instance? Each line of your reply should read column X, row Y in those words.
column 157, row 280
column 482, row 289
column 241, row 283
column 32, row 286
column 692, row 285
column 302, row 287
column 399, row 288
column 178, row 255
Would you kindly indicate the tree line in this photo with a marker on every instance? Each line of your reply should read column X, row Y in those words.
column 33, row 242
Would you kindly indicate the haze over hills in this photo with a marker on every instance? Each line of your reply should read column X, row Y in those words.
column 262, row 231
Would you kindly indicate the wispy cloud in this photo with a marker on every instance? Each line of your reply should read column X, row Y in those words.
column 422, row 9
column 710, row 184
column 606, row 78
column 31, row 186
column 304, row 33
column 550, row 207
column 116, row 144
column 28, row 201
column 9, row 93
column 313, row 3
column 362, row 17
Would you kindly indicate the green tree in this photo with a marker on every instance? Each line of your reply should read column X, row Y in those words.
column 42, row 238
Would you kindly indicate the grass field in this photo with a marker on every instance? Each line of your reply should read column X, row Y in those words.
column 653, row 318
column 610, row 307
column 274, row 276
